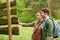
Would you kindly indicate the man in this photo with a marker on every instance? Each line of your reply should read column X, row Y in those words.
column 46, row 33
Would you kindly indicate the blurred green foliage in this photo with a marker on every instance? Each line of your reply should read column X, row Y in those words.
column 27, row 9
column 55, row 9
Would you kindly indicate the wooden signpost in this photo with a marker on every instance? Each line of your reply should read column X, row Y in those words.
column 7, row 9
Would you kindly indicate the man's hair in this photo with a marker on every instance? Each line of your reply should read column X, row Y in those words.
column 45, row 10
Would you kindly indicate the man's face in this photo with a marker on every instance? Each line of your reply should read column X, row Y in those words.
column 42, row 14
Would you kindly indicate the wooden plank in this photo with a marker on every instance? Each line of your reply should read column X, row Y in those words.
column 4, row 30
column 4, row 5
column 4, row 21
column 4, row 12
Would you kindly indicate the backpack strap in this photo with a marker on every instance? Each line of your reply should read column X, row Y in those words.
column 44, row 24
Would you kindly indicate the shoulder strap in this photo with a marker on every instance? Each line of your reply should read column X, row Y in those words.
column 44, row 24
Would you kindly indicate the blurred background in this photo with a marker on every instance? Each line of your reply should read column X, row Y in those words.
column 27, row 10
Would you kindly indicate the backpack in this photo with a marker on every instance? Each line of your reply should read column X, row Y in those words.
column 56, row 29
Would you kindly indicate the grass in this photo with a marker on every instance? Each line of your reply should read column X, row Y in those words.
column 25, row 34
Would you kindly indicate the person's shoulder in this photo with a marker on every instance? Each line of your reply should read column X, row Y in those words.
column 49, row 21
column 36, row 21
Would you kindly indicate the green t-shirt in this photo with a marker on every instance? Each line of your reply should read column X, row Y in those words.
column 49, row 30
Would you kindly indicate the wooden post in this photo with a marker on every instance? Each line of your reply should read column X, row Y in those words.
column 9, row 19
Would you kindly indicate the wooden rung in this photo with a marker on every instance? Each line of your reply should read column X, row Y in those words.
column 4, row 30
column 4, row 12
column 4, row 21
column 4, row 5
